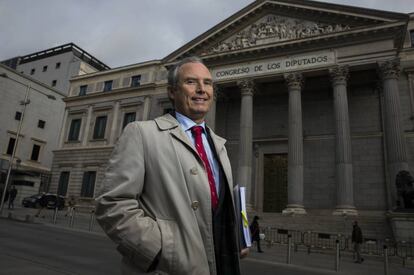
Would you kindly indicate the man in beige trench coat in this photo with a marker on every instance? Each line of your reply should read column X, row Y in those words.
column 158, row 204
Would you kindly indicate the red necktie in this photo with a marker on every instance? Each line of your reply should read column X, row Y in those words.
column 196, row 131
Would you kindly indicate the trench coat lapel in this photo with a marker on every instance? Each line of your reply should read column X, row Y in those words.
column 168, row 122
column 222, row 156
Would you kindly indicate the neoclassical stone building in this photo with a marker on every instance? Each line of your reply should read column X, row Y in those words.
column 315, row 100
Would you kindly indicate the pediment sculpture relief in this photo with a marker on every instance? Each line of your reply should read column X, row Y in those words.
column 272, row 29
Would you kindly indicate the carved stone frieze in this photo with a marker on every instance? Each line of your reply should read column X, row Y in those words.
column 273, row 28
column 390, row 69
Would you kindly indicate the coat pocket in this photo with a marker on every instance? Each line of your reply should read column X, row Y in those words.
column 168, row 258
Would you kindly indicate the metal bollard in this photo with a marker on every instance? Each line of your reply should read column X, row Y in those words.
column 385, row 260
column 289, row 252
column 91, row 220
column 72, row 218
column 337, row 256
column 55, row 214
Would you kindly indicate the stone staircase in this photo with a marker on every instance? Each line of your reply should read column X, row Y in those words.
column 374, row 225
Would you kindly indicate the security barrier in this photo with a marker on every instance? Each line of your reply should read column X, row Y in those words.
column 328, row 241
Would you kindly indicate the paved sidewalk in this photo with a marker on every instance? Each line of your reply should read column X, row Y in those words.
column 319, row 262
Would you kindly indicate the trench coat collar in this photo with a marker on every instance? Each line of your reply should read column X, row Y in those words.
column 168, row 122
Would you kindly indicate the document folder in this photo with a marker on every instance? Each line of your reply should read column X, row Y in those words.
column 241, row 216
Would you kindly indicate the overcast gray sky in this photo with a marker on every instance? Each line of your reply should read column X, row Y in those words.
column 124, row 32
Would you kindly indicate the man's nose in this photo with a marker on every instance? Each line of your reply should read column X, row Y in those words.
column 201, row 87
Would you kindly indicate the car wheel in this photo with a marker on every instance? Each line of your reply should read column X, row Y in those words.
column 37, row 205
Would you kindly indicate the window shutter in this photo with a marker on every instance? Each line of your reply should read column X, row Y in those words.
column 125, row 82
column 90, row 87
column 99, row 86
column 115, row 83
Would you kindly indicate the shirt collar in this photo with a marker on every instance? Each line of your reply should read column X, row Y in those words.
column 187, row 123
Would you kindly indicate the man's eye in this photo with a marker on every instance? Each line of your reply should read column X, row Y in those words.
column 190, row 82
column 208, row 83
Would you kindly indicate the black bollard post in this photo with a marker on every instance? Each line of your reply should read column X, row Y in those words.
column 55, row 214
column 385, row 260
column 337, row 256
column 289, row 247
column 91, row 220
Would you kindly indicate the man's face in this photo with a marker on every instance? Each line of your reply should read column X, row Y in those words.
column 194, row 91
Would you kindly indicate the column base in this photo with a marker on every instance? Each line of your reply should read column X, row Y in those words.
column 292, row 210
column 345, row 212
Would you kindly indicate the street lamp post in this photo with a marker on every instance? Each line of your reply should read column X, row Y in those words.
column 25, row 102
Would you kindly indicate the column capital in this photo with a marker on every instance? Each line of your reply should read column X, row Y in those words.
column 246, row 86
column 294, row 80
column 339, row 75
column 389, row 69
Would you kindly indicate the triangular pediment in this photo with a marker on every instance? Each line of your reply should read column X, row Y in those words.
column 269, row 23
column 273, row 28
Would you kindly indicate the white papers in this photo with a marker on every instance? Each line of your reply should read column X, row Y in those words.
column 243, row 215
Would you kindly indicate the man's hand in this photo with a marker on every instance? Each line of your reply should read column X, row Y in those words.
column 244, row 252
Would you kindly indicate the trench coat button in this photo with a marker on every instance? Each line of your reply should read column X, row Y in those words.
column 195, row 205
column 194, row 171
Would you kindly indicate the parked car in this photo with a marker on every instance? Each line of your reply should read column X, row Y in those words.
column 51, row 201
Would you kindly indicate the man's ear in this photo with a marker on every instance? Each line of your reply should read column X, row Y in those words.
column 171, row 92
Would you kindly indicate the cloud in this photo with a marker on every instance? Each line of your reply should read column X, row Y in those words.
column 127, row 31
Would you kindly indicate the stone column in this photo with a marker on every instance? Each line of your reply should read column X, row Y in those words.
column 244, row 168
column 343, row 148
column 147, row 105
column 63, row 130
column 295, row 146
column 211, row 115
column 394, row 132
column 87, row 126
column 114, row 126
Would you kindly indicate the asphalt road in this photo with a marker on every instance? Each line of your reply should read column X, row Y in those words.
column 45, row 250
column 40, row 249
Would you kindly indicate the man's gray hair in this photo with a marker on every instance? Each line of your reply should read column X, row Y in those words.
column 173, row 72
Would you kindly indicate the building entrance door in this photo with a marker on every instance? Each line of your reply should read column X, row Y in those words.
column 275, row 182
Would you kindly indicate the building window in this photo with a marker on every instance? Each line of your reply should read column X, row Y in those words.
column 32, row 71
column 108, row 86
column 128, row 117
column 57, row 65
column 74, row 129
column 63, row 183
column 35, row 152
column 88, row 184
column 54, row 83
column 44, row 68
column 41, row 124
column 82, row 89
column 100, row 125
column 10, row 148
column 18, row 116
column 135, row 80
